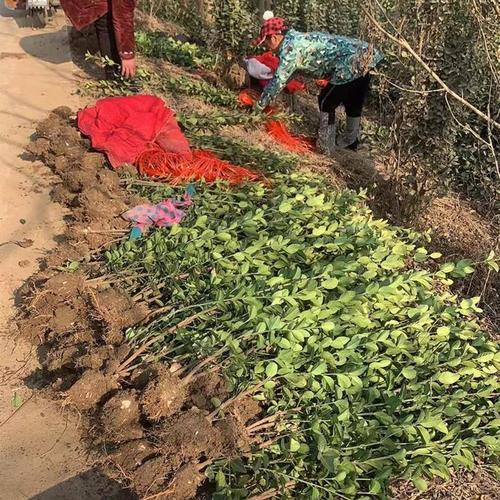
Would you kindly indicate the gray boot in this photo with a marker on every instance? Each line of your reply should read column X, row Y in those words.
column 351, row 133
column 326, row 134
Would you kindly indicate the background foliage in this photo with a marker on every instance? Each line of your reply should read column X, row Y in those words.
column 431, row 134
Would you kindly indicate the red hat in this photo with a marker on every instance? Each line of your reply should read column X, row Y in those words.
column 271, row 26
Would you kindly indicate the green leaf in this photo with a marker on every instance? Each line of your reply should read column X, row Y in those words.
column 294, row 445
column 493, row 265
column 344, row 380
column 377, row 365
column 330, row 284
column 375, row 487
column 224, row 236
column 447, row 268
column 339, row 342
column 216, row 402
column 271, row 369
column 421, row 451
column 409, row 373
column 328, row 326
column 291, row 249
column 420, row 484
column 448, row 378
column 17, row 401
column 220, row 479
column 73, row 265
column 285, row 207
column 443, row 332
column 320, row 369
column 284, row 344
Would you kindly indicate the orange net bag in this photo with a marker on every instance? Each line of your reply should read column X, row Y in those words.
column 199, row 165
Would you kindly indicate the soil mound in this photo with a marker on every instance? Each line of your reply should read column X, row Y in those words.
column 159, row 430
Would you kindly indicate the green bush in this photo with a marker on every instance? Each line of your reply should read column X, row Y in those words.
column 339, row 324
column 459, row 38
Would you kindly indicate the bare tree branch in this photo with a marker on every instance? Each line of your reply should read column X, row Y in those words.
column 403, row 43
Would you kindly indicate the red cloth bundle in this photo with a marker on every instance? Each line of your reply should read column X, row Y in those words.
column 123, row 127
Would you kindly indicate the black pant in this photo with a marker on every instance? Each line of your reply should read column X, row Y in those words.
column 352, row 95
column 106, row 38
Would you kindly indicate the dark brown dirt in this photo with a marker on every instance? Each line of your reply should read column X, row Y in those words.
column 90, row 390
column 97, row 357
column 458, row 228
column 246, row 410
column 64, row 305
column 118, row 311
column 164, row 396
column 185, row 483
column 206, row 387
column 56, row 309
column 88, row 188
column 234, row 76
column 131, row 455
column 191, row 435
column 460, row 232
column 145, row 21
column 63, row 358
column 120, row 418
column 233, row 437
column 152, row 476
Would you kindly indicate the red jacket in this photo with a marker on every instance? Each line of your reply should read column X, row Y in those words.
column 82, row 13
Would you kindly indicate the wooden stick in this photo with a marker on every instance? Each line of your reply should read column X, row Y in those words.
column 155, row 338
column 273, row 492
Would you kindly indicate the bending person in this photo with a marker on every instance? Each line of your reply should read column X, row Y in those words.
column 344, row 62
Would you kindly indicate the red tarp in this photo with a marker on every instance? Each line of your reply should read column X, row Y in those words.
column 123, row 127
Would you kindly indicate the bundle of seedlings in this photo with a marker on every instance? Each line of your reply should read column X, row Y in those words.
column 340, row 326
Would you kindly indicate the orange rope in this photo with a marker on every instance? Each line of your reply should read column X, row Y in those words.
column 276, row 128
column 322, row 83
column 279, row 131
column 247, row 98
column 177, row 168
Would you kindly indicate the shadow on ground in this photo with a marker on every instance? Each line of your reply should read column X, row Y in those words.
column 41, row 45
column 89, row 485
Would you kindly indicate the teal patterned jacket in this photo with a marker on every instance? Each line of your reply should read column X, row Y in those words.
column 321, row 55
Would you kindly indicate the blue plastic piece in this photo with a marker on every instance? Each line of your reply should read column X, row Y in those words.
column 135, row 233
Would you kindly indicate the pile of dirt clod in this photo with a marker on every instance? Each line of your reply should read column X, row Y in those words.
column 157, row 427
column 91, row 192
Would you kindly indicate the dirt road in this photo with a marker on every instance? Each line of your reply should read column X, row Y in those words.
column 40, row 452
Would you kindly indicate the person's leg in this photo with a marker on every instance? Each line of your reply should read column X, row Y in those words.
column 107, row 43
column 355, row 98
column 328, row 101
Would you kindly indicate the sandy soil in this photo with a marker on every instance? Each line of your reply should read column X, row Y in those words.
column 40, row 452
